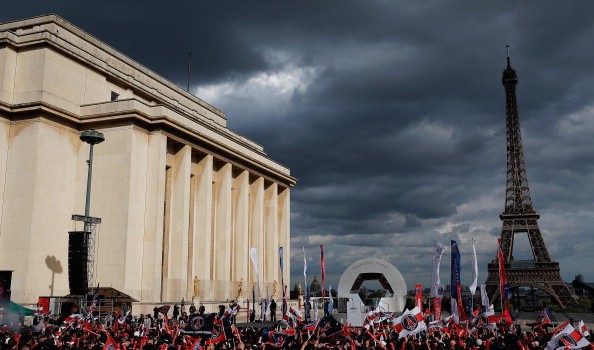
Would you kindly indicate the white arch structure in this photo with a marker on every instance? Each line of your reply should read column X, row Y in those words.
column 371, row 269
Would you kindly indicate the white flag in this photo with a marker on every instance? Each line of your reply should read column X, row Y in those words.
column 474, row 271
column 254, row 258
column 566, row 337
column 304, row 266
column 484, row 296
column 583, row 329
column 436, row 287
column 410, row 322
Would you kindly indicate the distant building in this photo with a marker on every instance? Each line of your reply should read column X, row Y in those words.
column 315, row 288
column 179, row 194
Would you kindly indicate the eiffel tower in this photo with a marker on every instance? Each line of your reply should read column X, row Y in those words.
column 519, row 217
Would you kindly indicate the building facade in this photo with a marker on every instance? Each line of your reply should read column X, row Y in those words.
column 179, row 194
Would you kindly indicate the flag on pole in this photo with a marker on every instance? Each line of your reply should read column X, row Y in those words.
column 419, row 296
column 267, row 303
column 502, row 277
column 437, row 308
column 307, row 304
column 330, row 304
column 304, row 268
column 473, row 285
column 284, row 304
column 484, row 297
column 280, row 255
column 460, row 307
column 323, row 265
column 305, row 283
column 254, row 258
column 436, row 287
column 454, row 277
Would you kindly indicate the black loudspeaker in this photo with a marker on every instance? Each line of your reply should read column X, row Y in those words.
column 5, row 279
column 78, row 256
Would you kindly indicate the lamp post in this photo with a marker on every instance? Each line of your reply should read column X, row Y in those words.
column 92, row 137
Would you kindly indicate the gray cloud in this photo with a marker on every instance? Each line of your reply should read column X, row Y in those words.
column 391, row 114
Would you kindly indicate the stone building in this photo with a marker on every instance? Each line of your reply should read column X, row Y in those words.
column 179, row 194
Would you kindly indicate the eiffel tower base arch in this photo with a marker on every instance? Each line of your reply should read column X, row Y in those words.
column 546, row 278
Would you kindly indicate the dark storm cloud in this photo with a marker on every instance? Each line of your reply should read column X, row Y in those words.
column 390, row 114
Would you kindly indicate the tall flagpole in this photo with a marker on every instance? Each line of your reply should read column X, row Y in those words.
column 474, row 283
column 323, row 267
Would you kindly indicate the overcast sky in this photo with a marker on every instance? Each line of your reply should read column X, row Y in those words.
column 391, row 114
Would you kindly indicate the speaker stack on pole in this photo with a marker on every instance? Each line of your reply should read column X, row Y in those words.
column 78, row 257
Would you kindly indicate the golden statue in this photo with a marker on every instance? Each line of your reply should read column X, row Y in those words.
column 299, row 288
column 196, row 288
column 239, row 288
column 274, row 288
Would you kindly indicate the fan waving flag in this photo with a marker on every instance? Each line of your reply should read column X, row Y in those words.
column 199, row 325
column 164, row 309
column 221, row 331
column 567, row 337
column 486, row 319
column 411, row 322
column 110, row 344
column 583, row 329
column 419, row 296
column 544, row 318
column 95, row 301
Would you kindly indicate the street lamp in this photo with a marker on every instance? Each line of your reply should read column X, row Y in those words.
column 92, row 137
column 85, row 238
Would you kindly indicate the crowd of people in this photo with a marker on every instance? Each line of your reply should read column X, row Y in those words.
column 199, row 330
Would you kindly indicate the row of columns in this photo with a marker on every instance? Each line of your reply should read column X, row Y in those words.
column 213, row 214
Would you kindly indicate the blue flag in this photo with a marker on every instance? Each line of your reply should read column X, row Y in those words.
column 455, row 266
column 280, row 254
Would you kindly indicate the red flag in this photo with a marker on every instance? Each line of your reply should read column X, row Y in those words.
column 196, row 345
column 110, row 344
column 419, row 296
column 502, row 278
column 505, row 318
column 461, row 313
column 323, row 263
column 164, row 309
column 437, row 308
column 218, row 332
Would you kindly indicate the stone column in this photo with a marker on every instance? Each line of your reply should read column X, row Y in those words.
column 240, row 256
column 271, row 257
column 284, row 227
column 178, row 224
column 201, row 267
column 222, row 239
column 257, row 229
column 153, row 221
